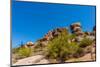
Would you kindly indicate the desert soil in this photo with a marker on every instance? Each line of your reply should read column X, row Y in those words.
column 38, row 59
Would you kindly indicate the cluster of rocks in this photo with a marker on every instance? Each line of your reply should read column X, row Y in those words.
column 51, row 34
column 28, row 45
column 75, row 28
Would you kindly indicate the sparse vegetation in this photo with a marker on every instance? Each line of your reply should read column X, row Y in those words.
column 60, row 49
column 56, row 48
column 86, row 42
column 24, row 52
column 63, row 46
column 38, row 46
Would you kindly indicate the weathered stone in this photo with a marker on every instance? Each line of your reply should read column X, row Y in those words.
column 76, row 28
column 75, row 25
column 87, row 33
column 51, row 34
column 29, row 45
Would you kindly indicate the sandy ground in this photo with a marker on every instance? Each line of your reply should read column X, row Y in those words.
column 38, row 59
column 86, row 57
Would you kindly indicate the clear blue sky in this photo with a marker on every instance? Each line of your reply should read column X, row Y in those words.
column 31, row 21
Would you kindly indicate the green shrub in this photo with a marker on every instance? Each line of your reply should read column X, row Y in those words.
column 72, row 36
column 85, row 42
column 25, row 52
column 79, row 52
column 72, row 47
column 59, row 48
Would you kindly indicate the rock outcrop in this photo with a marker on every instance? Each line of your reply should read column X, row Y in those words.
column 76, row 28
column 51, row 34
column 28, row 45
column 38, row 57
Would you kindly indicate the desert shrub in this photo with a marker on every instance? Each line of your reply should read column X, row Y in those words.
column 85, row 42
column 79, row 52
column 72, row 36
column 56, row 48
column 59, row 48
column 72, row 48
column 24, row 52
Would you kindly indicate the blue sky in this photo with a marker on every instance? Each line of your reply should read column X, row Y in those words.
column 32, row 20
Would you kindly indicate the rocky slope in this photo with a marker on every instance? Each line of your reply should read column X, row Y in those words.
column 38, row 56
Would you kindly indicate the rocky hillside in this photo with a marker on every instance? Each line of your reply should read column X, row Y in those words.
column 58, row 46
column 75, row 28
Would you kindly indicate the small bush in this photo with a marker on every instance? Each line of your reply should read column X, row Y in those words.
column 79, row 52
column 60, row 49
column 85, row 42
column 24, row 52
column 56, row 48
column 72, row 36
column 73, row 47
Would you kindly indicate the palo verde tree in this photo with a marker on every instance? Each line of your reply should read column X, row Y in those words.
column 59, row 48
